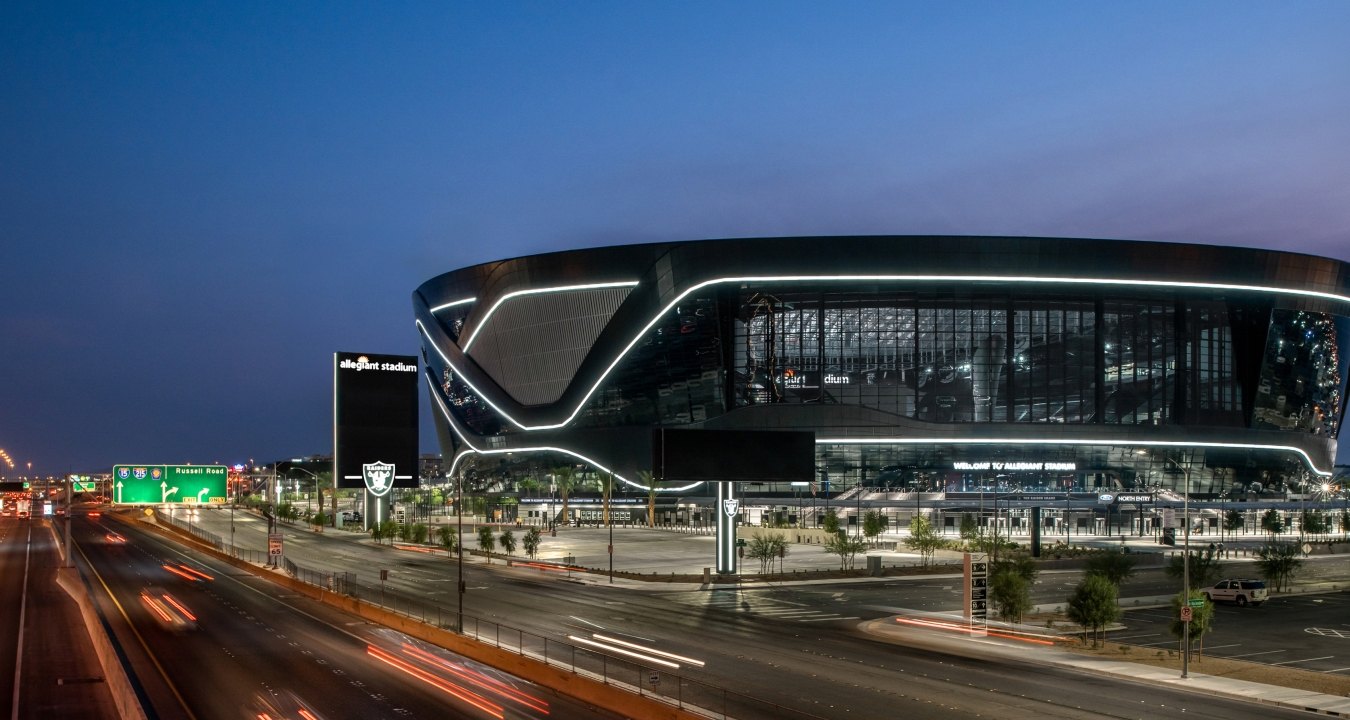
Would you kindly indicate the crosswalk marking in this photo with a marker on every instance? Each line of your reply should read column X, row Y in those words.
column 766, row 607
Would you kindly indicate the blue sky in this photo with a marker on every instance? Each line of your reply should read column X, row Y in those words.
column 200, row 202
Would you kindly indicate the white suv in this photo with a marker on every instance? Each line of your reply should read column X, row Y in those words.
column 1242, row 592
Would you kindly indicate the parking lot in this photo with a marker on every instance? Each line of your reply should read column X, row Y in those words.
column 1308, row 632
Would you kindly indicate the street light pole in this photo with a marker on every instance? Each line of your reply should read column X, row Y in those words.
column 1185, row 564
column 459, row 545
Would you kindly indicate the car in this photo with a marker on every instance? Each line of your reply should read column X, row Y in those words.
column 168, row 611
column 1242, row 591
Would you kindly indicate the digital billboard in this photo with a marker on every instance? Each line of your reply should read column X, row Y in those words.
column 680, row 455
column 374, row 421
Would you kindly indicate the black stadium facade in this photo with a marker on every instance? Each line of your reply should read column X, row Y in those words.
column 930, row 364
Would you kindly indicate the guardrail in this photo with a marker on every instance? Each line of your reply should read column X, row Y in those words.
column 645, row 679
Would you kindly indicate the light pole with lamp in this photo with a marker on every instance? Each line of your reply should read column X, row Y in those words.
column 317, row 491
column 459, row 546
column 1185, row 563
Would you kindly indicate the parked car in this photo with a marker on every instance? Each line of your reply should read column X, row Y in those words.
column 1241, row 591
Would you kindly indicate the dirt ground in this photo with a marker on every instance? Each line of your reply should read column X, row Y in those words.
column 1328, row 683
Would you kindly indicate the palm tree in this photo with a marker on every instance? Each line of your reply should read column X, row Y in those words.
column 565, row 478
column 645, row 477
column 606, row 480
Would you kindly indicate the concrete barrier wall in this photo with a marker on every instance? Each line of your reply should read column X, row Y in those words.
column 124, row 696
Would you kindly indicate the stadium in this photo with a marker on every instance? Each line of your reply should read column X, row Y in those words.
column 926, row 367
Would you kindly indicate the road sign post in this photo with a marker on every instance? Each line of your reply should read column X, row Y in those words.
column 976, row 576
column 274, row 545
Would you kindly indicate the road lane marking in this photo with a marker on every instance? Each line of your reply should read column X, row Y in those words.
column 1286, row 662
column 1264, row 652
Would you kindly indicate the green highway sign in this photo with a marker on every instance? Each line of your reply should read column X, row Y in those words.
column 1196, row 602
column 142, row 484
column 82, row 485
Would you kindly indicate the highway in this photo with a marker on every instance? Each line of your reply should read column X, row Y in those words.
column 247, row 648
column 827, row 668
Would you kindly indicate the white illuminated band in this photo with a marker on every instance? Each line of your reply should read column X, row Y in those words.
column 451, row 304
column 858, row 278
column 1070, row 441
column 621, row 651
column 658, row 653
column 543, row 448
column 536, row 291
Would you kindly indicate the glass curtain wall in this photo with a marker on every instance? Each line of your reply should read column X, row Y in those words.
column 952, row 355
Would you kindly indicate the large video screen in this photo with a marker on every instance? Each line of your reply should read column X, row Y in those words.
column 374, row 421
column 733, row 455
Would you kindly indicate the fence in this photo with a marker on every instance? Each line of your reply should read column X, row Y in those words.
column 647, row 680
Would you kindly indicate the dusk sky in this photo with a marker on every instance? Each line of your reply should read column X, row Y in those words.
column 201, row 202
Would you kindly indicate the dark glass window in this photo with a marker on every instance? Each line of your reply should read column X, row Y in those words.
column 672, row 377
column 1300, row 381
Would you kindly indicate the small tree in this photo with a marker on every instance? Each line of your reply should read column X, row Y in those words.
column 1116, row 567
column 830, row 523
column 846, row 547
column 531, row 542
column 1272, row 523
column 486, row 542
column 873, row 523
column 419, row 533
column 1345, row 523
column 1202, row 619
column 969, row 530
column 922, row 539
column 1315, row 522
column 508, row 540
column 1233, row 521
column 377, row 532
column 1019, row 564
column 1204, row 565
column 1010, row 594
column 319, row 519
column 1279, row 562
column 1093, row 605
column 766, row 547
column 388, row 528
column 404, row 532
column 447, row 537
column 760, row 549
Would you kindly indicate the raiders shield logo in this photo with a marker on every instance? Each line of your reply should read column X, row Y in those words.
column 730, row 507
column 379, row 477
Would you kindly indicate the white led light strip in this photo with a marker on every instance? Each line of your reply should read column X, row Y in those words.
column 542, row 448
column 451, row 304
column 1072, row 441
column 845, row 278
column 537, row 291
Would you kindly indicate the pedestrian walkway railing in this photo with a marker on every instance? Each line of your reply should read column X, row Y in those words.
column 656, row 680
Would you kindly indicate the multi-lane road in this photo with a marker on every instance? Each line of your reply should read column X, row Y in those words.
column 799, row 647
column 213, row 641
